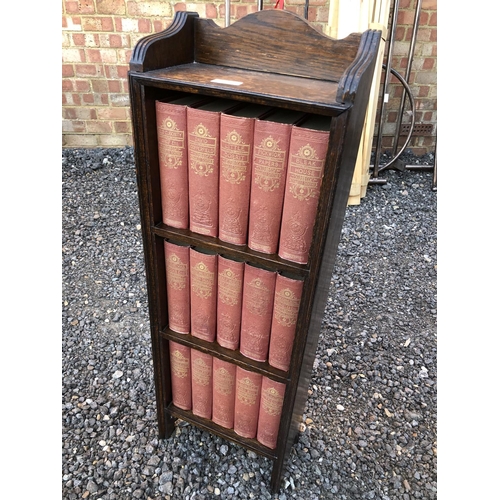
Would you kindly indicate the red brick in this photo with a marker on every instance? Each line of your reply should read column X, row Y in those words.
column 99, row 127
column 114, row 86
column 428, row 63
column 82, row 86
column 180, row 7
column 433, row 19
column 433, row 35
column 64, row 22
column 71, row 7
column 69, row 113
column 67, row 85
column 400, row 35
column 94, row 55
column 86, row 6
column 144, row 26
column 99, row 85
column 423, row 91
column 88, row 98
column 113, row 114
column 86, row 70
column 115, row 40
column 211, row 11
column 67, row 70
column 423, row 19
column 97, row 24
column 405, row 17
column 76, row 99
column 429, row 4
column 123, row 127
column 78, row 39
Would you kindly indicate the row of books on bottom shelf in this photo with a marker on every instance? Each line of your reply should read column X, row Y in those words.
column 230, row 396
column 247, row 174
column 237, row 304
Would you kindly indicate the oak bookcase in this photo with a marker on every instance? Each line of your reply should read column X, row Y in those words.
column 282, row 61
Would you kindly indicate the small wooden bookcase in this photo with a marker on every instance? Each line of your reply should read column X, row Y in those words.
column 282, row 61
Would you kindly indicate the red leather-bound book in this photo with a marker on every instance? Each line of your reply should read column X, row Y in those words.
column 287, row 295
column 180, row 375
column 271, row 406
column 203, row 126
column 236, row 146
column 203, row 277
column 246, row 403
column 269, row 163
column 172, row 156
column 178, row 294
column 229, row 300
column 224, row 390
column 201, row 383
column 256, row 312
column 306, row 162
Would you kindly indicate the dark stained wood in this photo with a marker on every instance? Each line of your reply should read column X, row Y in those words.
column 227, row 355
column 262, row 42
column 282, row 61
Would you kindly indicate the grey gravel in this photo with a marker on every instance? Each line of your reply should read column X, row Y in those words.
column 370, row 419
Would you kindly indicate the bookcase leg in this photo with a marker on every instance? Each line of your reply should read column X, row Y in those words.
column 276, row 478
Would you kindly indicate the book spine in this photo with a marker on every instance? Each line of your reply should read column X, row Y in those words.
column 203, row 177
column 256, row 312
column 247, row 401
column 229, row 301
column 306, row 163
column 287, row 297
column 178, row 294
column 172, row 156
column 269, row 163
column 203, row 277
column 224, row 390
column 270, row 409
column 236, row 140
column 201, row 382
column 180, row 375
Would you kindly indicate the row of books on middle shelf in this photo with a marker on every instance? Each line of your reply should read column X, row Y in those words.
column 232, row 397
column 247, row 174
column 236, row 304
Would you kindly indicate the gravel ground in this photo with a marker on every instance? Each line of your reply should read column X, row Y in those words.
column 370, row 421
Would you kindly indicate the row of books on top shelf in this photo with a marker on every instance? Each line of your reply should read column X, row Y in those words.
column 249, row 403
column 247, row 174
column 239, row 305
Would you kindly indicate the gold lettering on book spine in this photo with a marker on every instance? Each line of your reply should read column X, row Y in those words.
column 202, row 151
column 171, row 143
column 272, row 401
column 223, row 381
column 235, row 158
column 258, row 297
column 177, row 273
column 286, row 307
column 229, row 287
column 247, row 391
column 201, row 372
column 305, row 173
column 268, row 164
column 179, row 364
column 202, row 280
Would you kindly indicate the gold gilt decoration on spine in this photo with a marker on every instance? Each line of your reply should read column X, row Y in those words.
column 180, row 364
column 229, row 287
column 268, row 164
column 272, row 401
column 305, row 173
column 177, row 273
column 247, row 391
column 258, row 297
column 202, row 280
column 202, row 151
column 223, row 381
column 235, row 157
column 286, row 307
column 172, row 143
column 201, row 372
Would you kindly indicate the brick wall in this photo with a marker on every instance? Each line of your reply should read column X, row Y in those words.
column 98, row 37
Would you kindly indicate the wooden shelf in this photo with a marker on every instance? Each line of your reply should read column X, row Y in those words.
column 243, row 253
column 229, row 434
column 301, row 69
column 225, row 354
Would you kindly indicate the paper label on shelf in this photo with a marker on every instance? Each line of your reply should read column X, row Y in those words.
column 227, row 82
